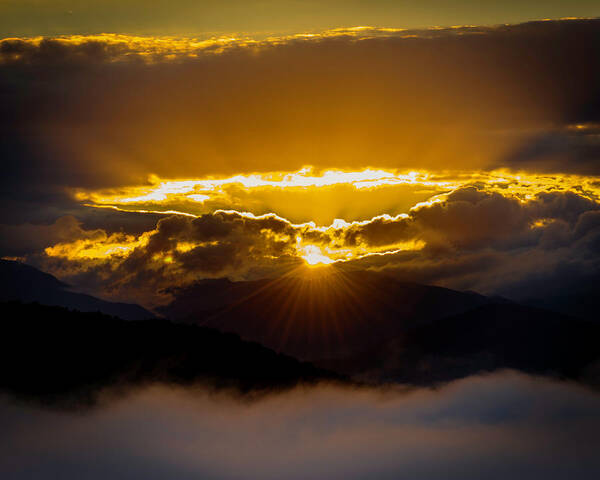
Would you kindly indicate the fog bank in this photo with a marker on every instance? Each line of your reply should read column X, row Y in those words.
column 494, row 427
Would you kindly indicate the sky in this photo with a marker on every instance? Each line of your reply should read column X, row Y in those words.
column 201, row 17
column 144, row 149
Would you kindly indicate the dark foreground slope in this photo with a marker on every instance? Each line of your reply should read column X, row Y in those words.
column 24, row 283
column 56, row 356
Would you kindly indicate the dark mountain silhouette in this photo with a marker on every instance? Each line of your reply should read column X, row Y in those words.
column 375, row 327
column 583, row 303
column 318, row 314
column 66, row 358
column 24, row 283
column 487, row 338
column 363, row 325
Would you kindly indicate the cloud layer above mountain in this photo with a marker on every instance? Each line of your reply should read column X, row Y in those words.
column 470, row 238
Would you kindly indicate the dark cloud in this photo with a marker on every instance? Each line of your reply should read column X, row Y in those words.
column 473, row 239
column 218, row 240
column 489, row 243
column 98, row 114
column 472, row 219
column 84, row 223
column 95, row 113
column 18, row 240
column 572, row 149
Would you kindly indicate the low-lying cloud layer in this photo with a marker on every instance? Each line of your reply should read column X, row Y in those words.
column 495, row 427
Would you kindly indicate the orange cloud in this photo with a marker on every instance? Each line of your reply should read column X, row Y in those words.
column 441, row 237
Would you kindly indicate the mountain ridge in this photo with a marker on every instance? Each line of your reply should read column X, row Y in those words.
column 374, row 327
column 22, row 282
column 306, row 315
column 65, row 358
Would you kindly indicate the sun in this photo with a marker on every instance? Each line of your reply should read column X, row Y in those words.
column 314, row 257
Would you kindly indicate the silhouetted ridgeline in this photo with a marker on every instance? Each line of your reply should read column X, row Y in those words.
column 24, row 283
column 484, row 339
column 375, row 327
column 334, row 313
column 62, row 357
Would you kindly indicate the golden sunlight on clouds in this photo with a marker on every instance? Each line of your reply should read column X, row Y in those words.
column 252, row 206
column 314, row 257
column 368, row 178
column 116, row 245
column 300, row 196
column 456, row 214
column 317, row 217
column 153, row 48
column 326, row 196
column 152, row 162
column 146, row 47
column 150, row 49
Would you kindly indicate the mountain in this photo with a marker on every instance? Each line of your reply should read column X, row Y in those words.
column 487, row 338
column 322, row 313
column 374, row 327
column 583, row 303
column 66, row 358
column 27, row 284
column 366, row 325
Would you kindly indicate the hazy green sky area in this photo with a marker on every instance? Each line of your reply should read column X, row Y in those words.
column 198, row 17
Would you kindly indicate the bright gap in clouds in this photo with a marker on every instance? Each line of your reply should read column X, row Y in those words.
column 314, row 257
column 321, row 197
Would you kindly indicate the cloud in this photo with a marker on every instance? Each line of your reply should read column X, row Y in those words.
column 572, row 148
column 91, row 112
column 470, row 238
column 495, row 426
column 493, row 244
column 52, row 17
column 18, row 240
column 87, row 120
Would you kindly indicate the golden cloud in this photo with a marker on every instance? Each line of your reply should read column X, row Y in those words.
column 432, row 151
column 490, row 214
column 322, row 197
column 159, row 48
